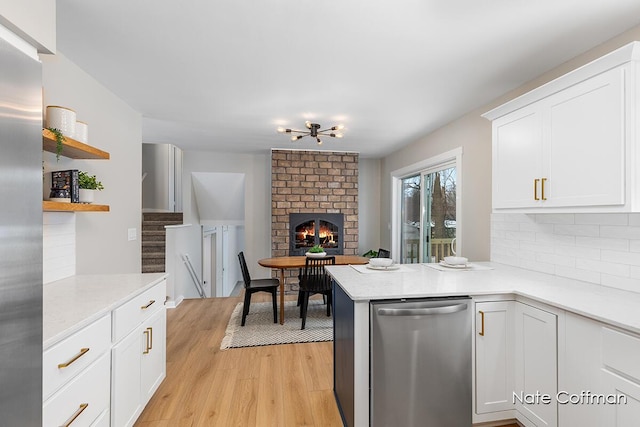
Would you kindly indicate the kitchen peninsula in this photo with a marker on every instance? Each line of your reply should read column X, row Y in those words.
column 588, row 339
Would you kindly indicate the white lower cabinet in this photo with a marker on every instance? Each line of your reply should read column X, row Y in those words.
column 138, row 359
column 515, row 364
column 536, row 365
column 620, row 378
column 580, row 361
column 154, row 359
column 82, row 400
column 494, row 358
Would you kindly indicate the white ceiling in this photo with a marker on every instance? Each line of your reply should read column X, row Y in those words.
column 224, row 74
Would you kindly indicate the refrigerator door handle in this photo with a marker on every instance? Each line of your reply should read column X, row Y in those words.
column 446, row 309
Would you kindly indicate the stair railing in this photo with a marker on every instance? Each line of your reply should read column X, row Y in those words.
column 194, row 277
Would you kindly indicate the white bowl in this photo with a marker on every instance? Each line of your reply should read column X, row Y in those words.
column 456, row 260
column 315, row 254
column 380, row 262
column 82, row 132
column 63, row 119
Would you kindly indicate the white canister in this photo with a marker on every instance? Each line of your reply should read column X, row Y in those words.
column 63, row 119
column 82, row 132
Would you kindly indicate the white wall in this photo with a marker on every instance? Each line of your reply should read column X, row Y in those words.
column 33, row 20
column 155, row 187
column 473, row 134
column 257, row 218
column 368, row 205
column 101, row 238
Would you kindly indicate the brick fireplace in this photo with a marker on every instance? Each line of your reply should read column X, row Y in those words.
column 313, row 182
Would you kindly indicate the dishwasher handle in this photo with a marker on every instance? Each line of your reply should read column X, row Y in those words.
column 446, row 309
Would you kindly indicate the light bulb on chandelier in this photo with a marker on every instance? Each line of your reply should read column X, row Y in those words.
column 314, row 131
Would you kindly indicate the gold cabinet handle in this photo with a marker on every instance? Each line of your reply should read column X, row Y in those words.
column 144, row 307
column 482, row 323
column 542, row 185
column 150, row 338
column 76, row 414
column 535, row 189
column 82, row 352
column 146, row 344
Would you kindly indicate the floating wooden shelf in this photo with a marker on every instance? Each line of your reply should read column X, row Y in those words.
column 73, row 207
column 71, row 148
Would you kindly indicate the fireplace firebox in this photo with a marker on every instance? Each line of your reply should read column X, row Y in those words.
column 309, row 229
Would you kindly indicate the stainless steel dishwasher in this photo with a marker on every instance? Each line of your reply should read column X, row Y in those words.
column 421, row 362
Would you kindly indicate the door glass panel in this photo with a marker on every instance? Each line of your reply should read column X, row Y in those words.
column 428, row 216
column 440, row 214
column 410, row 220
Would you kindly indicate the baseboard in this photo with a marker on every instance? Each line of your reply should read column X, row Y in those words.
column 173, row 303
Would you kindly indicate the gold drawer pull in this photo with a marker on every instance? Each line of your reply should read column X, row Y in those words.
column 150, row 338
column 76, row 357
column 76, row 414
column 144, row 307
column 146, row 344
column 482, row 322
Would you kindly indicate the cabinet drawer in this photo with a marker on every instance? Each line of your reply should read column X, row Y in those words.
column 131, row 314
column 74, row 354
column 621, row 352
column 86, row 396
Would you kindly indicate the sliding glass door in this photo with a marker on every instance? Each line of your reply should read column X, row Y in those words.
column 428, row 215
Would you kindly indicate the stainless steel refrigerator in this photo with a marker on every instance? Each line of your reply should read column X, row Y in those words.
column 421, row 362
column 20, row 238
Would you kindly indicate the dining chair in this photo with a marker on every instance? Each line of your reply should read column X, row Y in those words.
column 383, row 253
column 251, row 286
column 315, row 280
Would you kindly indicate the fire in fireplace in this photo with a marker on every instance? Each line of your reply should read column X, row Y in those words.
column 309, row 229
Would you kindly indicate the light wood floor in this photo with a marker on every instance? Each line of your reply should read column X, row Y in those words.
column 281, row 385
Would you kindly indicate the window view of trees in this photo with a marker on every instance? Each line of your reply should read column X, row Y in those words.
column 440, row 214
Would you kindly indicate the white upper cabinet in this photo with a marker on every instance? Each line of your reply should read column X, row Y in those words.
column 571, row 145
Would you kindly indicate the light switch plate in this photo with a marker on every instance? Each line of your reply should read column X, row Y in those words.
column 132, row 233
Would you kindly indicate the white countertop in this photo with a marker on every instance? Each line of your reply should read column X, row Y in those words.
column 72, row 303
column 613, row 306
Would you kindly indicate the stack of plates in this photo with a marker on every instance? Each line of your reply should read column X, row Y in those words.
column 455, row 262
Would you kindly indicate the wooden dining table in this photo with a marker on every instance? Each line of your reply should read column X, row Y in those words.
column 288, row 262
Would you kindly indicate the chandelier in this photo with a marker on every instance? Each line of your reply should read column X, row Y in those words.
column 313, row 131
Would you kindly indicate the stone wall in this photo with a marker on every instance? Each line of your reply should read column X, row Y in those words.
column 312, row 181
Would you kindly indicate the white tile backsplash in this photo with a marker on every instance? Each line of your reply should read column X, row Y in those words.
column 596, row 248
column 58, row 245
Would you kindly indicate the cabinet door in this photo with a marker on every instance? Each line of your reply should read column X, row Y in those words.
column 624, row 408
column 494, row 336
column 586, row 133
column 517, row 158
column 580, row 359
column 125, row 385
column 153, row 358
column 536, row 364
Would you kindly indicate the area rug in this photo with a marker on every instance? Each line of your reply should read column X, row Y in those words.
column 259, row 328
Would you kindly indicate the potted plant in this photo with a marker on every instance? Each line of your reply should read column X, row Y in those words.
column 316, row 252
column 88, row 184
column 370, row 254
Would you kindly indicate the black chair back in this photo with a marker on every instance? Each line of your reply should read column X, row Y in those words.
column 383, row 253
column 245, row 271
column 314, row 276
